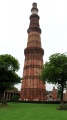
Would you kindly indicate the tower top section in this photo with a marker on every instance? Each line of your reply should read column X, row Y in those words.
column 34, row 20
column 34, row 9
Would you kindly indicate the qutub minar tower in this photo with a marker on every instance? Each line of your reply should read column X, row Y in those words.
column 32, row 87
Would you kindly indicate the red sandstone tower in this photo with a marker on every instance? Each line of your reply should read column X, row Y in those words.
column 32, row 88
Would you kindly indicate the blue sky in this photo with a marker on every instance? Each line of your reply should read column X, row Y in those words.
column 14, row 22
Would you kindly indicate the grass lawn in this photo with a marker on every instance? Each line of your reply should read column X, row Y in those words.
column 26, row 111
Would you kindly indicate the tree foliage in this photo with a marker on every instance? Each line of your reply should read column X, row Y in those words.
column 55, row 71
column 8, row 73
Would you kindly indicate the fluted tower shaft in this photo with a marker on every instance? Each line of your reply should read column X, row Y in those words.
column 32, row 87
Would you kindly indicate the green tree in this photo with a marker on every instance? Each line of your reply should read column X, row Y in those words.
column 55, row 71
column 59, row 91
column 8, row 74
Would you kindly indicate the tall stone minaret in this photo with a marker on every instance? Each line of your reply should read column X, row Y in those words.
column 32, row 87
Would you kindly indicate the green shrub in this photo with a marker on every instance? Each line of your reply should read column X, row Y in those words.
column 63, row 107
column 15, row 98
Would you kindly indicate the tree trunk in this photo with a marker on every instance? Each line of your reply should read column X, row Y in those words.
column 62, row 87
column 3, row 101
